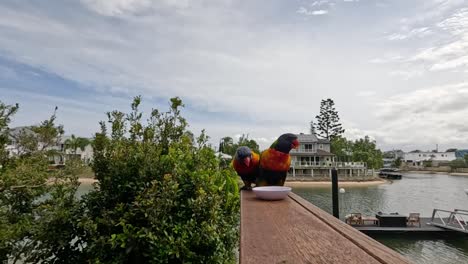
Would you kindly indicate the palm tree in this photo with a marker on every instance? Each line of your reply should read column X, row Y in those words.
column 74, row 143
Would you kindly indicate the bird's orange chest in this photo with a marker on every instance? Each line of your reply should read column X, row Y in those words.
column 242, row 169
column 274, row 160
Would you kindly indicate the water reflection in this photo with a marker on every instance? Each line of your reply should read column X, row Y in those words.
column 83, row 189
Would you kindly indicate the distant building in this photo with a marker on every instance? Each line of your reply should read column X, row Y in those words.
column 312, row 151
column 390, row 157
column 417, row 159
column 313, row 160
column 62, row 152
column 388, row 162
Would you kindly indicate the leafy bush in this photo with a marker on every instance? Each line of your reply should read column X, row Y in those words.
column 458, row 163
column 37, row 206
column 160, row 198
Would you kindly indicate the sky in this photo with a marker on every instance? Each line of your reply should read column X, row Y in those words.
column 396, row 69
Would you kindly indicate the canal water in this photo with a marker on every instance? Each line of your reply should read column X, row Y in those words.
column 415, row 193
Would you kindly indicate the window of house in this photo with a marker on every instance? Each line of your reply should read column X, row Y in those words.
column 308, row 147
column 321, row 146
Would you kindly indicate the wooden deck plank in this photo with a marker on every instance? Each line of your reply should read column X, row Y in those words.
column 374, row 248
column 291, row 231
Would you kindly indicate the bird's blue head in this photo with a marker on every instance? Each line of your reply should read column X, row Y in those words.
column 244, row 155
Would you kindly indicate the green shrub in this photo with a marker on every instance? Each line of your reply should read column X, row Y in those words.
column 458, row 163
column 38, row 208
column 161, row 197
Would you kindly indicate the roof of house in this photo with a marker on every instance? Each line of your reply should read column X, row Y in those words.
column 324, row 153
column 307, row 138
column 14, row 132
column 223, row 155
column 311, row 138
column 322, row 140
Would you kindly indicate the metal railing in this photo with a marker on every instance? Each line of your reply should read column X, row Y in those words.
column 456, row 220
column 304, row 150
column 330, row 164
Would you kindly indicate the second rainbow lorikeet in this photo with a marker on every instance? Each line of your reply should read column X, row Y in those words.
column 246, row 163
column 275, row 161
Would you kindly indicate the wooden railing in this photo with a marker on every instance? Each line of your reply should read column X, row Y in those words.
column 295, row 231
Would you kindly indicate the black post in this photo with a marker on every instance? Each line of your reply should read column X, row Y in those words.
column 336, row 208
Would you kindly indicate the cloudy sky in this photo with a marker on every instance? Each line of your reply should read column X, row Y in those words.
column 397, row 69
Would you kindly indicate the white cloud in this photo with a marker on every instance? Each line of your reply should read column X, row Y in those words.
column 445, row 35
column 302, row 10
column 258, row 69
column 451, row 64
column 133, row 7
column 117, row 7
column 407, row 74
column 415, row 32
column 319, row 12
column 457, row 24
column 320, row 3
column 425, row 117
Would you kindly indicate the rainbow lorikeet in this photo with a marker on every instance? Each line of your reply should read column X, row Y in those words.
column 246, row 163
column 275, row 161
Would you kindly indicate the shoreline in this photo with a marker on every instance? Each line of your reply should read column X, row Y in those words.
column 295, row 183
column 87, row 180
column 340, row 183
column 438, row 172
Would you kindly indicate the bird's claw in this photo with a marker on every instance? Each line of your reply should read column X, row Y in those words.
column 246, row 188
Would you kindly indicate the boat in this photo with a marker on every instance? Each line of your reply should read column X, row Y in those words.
column 390, row 173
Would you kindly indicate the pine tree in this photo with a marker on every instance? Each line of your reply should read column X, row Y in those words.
column 328, row 123
column 312, row 128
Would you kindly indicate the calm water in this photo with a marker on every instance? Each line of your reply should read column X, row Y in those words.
column 419, row 193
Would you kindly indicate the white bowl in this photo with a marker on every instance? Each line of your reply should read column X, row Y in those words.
column 271, row 192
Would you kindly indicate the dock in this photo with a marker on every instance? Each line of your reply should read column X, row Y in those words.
column 295, row 231
column 390, row 174
column 424, row 229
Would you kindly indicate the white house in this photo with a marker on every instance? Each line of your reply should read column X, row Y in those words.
column 62, row 152
column 311, row 151
column 417, row 158
column 314, row 159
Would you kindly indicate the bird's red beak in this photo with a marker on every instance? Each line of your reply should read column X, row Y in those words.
column 295, row 144
column 247, row 161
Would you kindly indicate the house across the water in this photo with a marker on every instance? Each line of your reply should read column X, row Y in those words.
column 421, row 159
column 313, row 160
column 60, row 152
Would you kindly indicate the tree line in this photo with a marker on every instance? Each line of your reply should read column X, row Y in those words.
column 325, row 126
